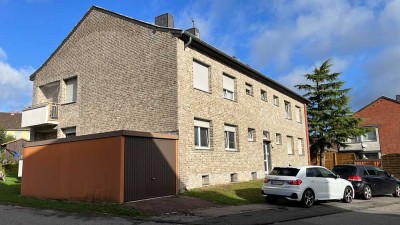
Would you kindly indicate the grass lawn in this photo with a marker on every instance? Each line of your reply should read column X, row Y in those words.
column 231, row 194
column 10, row 194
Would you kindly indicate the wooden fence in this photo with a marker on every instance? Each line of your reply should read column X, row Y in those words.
column 391, row 163
column 335, row 158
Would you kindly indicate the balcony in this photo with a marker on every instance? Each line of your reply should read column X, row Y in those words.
column 40, row 115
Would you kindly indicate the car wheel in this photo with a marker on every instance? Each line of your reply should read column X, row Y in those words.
column 271, row 199
column 367, row 193
column 348, row 195
column 308, row 198
column 397, row 191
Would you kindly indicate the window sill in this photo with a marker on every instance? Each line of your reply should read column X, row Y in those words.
column 288, row 118
column 250, row 95
column 207, row 92
column 231, row 150
column 202, row 148
column 67, row 103
column 232, row 100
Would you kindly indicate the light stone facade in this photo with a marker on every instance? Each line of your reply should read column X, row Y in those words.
column 136, row 76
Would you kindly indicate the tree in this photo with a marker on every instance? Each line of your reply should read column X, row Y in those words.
column 4, row 137
column 330, row 120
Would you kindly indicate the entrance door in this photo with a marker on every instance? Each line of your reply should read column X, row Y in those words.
column 267, row 157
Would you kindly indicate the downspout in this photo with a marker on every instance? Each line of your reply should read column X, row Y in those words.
column 188, row 43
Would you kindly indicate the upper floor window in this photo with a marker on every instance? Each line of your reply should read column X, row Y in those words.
column 200, row 76
column 251, row 134
column 278, row 139
column 228, row 87
column 289, row 145
column 300, row 146
column 70, row 90
column 266, row 135
column 201, row 134
column 264, row 95
column 230, row 137
column 276, row 100
column 370, row 136
column 298, row 114
column 288, row 110
column 249, row 89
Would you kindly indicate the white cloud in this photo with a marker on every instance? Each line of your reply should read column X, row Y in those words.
column 3, row 55
column 15, row 87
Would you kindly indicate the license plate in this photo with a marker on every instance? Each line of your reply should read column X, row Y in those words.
column 277, row 182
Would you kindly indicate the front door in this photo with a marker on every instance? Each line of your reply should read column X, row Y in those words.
column 267, row 157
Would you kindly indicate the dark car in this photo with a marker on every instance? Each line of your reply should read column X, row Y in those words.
column 369, row 180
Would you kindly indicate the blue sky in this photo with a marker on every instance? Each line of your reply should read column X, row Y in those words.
column 282, row 39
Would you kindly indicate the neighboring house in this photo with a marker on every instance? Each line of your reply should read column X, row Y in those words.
column 382, row 116
column 113, row 72
column 12, row 123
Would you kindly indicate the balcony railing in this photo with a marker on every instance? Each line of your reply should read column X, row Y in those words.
column 40, row 115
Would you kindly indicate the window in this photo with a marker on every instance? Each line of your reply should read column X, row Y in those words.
column 264, row 95
column 254, row 175
column 251, row 134
column 201, row 134
column 17, row 134
column 249, row 89
column 228, row 87
column 70, row 90
column 266, row 135
column 289, row 145
column 69, row 132
column 370, row 136
column 234, row 177
column 276, row 100
column 230, row 136
column 354, row 139
column 288, row 110
column 278, row 139
column 300, row 146
column 298, row 114
column 200, row 76
column 205, row 179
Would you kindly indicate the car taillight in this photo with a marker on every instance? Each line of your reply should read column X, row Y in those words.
column 266, row 180
column 295, row 182
column 354, row 178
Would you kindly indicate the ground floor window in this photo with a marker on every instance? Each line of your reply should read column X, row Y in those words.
column 230, row 137
column 201, row 134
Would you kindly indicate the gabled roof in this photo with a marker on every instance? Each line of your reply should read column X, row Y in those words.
column 197, row 44
column 10, row 121
column 382, row 97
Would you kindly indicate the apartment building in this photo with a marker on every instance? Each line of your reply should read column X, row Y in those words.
column 382, row 117
column 113, row 72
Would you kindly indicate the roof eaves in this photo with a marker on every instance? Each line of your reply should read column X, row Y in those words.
column 382, row 97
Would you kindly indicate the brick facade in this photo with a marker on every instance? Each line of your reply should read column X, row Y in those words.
column 385, row 114
column 136, row 76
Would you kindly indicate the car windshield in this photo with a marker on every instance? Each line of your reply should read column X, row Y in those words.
column 284, row 171
column 345, row 170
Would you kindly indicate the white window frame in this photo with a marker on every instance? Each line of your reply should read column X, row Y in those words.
column 249, row 89
column 69, row 132
column 276, row 100
column 278, row 138
column 251, row 134
column 288, row 110
column 266, row 135
column 228, row 84
column 227, row 130
column 70, row 85
column 298, row 114
column 199, row 125
column 264, row 95
column 364, row 137
column 289, row 145
column 201, row 76
column 300, row 146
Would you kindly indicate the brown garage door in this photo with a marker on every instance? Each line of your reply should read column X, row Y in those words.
column 150, row 168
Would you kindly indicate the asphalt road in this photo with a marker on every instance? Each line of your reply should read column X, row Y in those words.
column 379, row 210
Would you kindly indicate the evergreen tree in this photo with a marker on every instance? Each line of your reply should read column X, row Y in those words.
column 330, row 120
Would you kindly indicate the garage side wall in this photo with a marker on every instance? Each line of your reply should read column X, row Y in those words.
column 88, row 170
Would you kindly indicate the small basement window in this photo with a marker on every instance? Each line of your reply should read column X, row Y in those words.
column 254, row 175
column 234, row 177
column 205, row 179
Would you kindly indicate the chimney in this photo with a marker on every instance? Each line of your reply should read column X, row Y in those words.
column 165, row 20
column 194, row 31
column 398, row 98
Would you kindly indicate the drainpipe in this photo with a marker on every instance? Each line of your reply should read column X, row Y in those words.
column 188, row 43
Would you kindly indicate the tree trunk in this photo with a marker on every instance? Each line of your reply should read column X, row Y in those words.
column 322, row 157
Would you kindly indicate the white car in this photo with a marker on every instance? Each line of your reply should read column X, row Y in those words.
column 306, row 184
